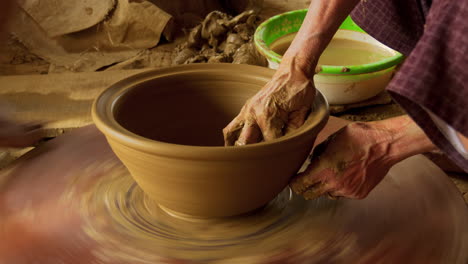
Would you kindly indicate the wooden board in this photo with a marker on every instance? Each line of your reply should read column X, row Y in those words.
column 62, row 100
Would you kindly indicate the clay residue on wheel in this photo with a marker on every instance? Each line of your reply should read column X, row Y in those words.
column 145, row 233
column 222, row 38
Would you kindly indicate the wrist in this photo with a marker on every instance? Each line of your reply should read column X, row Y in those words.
column 301, row 58
column 297, row 66
column 405, row 138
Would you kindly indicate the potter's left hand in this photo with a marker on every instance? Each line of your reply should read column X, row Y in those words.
column 281, row 105
column 351, row 162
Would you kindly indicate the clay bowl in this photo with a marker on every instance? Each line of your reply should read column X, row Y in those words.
column 166, row 126
column 339, row 83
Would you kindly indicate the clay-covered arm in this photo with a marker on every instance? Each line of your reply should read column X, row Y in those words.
column 351, row 162
column 284, row 102
column 320, row 24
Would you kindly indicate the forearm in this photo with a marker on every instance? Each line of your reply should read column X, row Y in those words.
column 320, row 24
column 406, row 138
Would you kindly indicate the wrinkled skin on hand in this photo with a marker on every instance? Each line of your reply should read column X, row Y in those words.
column 281, row 105
column 16, row 135
column 350, row 163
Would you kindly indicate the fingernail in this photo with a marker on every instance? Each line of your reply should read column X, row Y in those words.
column 239, row 143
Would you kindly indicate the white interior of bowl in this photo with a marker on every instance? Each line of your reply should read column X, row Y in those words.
column 349, row 35
column 352, row 88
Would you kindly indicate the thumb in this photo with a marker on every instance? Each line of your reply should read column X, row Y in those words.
column 309, row 181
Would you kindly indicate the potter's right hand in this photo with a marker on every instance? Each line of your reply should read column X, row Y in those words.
column 284, row 102
column 352, row 161
column 281, row 105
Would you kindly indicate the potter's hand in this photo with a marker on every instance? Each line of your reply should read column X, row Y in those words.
column 281, row 105
column 284, row 102
column 16, row 135
column 351, row 162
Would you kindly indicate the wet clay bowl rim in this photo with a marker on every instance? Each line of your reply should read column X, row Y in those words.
column 274, row 28
column 102, row 113
column 247, row 177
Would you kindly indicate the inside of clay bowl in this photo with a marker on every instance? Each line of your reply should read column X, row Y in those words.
column 186, row 110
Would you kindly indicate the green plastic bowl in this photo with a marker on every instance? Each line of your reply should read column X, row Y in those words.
column 344, row 84
column 290, row 22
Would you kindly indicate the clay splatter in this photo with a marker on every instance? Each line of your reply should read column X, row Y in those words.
column 222, row 38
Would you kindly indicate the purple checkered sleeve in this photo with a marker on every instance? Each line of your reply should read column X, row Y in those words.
column 434, row 37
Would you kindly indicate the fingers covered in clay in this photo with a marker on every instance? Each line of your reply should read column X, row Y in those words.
column 281, row 106
column 296, row 119
column 271, row 122
column 250, row 133
column 232, row 131
column 350, row 163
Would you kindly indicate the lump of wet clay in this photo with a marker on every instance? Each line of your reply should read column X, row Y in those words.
column 194, row 39
column 244, row 31
column 197, row 59
column 241, row 18
column 220, row 58
column 248, row 54
column 233, row 42
column 213, row 28
column 222, row 38
column 183, row 55
column 207, row 51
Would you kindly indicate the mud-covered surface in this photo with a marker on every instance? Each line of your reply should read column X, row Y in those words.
column 191, row 12
column 93, row 212
column 17, row 59
column 221, row 38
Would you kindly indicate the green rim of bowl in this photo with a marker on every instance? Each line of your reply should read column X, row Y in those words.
column 275, row 27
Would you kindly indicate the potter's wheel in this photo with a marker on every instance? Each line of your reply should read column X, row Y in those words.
column 71, row 201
